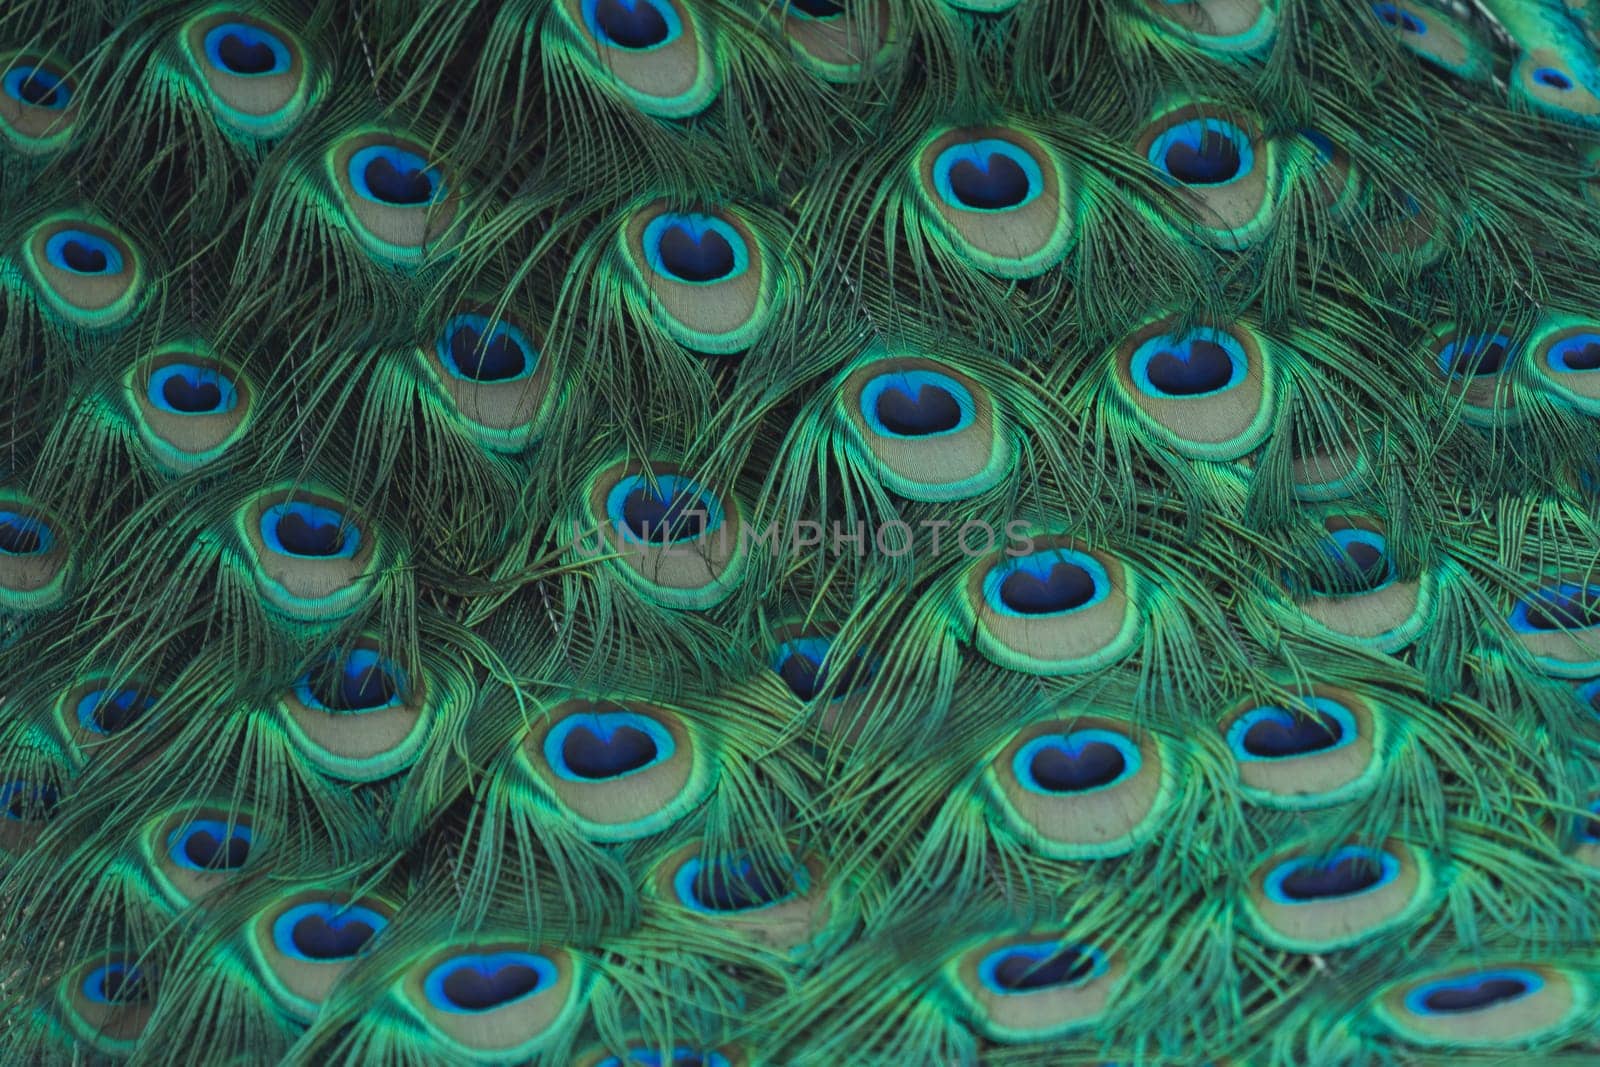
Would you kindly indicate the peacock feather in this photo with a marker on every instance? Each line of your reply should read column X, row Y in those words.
column 729, row 533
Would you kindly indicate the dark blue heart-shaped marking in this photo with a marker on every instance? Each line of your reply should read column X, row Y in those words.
column 1300, row 735
column 245, row 57
column 192, row 397
column 702, row 259
column 1355, row 567
column 1204, row 368
column 654, row 519
column 1584, row 357
column 1342, row 878
column 40, row 90
column 1390, row 15
column 738, row 886
column 1067, row 586
column 395, row 186
column 83, row 259
column 1470, row 995
column 802, row 674
column 1019, row 971
column 589, row 755
column 477, row 989
column 495, row 361
column 355, row 688
column 1476, row 357
column 123, row 985
column 630, row 23
column 1554, row 611
column 118, row 712
column 1094, row 764
column 206, row 851
column 998, row 182
column 817, row 9
column 330, row 938
column 305, row 538
column 20, row 538
column 1211, row 160
column 35, row 804
column 931, row 410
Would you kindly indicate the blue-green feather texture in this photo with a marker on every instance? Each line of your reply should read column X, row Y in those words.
column 750, row 533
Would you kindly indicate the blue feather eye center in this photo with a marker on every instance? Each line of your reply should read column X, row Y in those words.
column 106, row 711
column 1202, row 152
column 1201, row 363
column 1020, row 969
column 1348, row 872
column 24, row 535
column 1552, row 78
column 82, row 252
column 210, row 845
column 394, row 176
column 1580, row 352
column 1357, row 562
column 734, row 884
column 637, row 25
column 607, row 745
column 1476, row 355
column 1082, row 761
column 1566, row 606
column 1273, row 733
column 1053, row 582
column 310, row 531
column 987, row 175
column 803, row 665
column 674, row 511
column 246, row 51
column 1589, row 823
column 1322, row 143
column 1473, row 992
column 1404, row 21
column 816, row 9
column 37, row 87
column 322, row 931
column 695, row 249
column 116, row 983
column 484, row 982
column 916, row 403
column 188, row 389
column 472, row 350
column 28, row 801
column 363, row 681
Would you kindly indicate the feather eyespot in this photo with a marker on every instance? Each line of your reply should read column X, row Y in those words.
column 246, row 51
column 1559, row 624
column 1231, row 27
column 309, row 531
column 1564, row 606
column 473, row 351
column 636, row 25
column 674, row 511
column 1080, row 761
column 695, row 249
column 734, row 884
column 188, row 389
column 326, row 931
column 1476, row 355
column 1029, row 968
column 28, row 802
column 1310, row 899
column 210, row 845
column 1401, row 19
column 1201, row 363
column 1564, row 353
column 395, row 195
column 837, row 46
column 24, row 535
column 498, row 1000
column 188, row 406
column 1357, row 563
column 1034, row 987
column 681, row 1056
column 116, row 983
column 1223, row 170
column 1318, row 750
column 1485, row 1004
column 607, row 745
column 703, row 276
column 1050, row 583
column 1273, row 733
column 1203, row 152
column 111, row 711
column 916, row 403
column 86, row 272
column 998, row 198
column 816, row 9
column 394, row 176
column 489, row 981
column 362, row 682
column 803, row 664
column 38, row 103
column 1207, row 392
column 1552, row 78
column 254, row 71
column 37, row 86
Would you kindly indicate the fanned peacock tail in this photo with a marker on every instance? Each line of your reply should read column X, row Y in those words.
column 742, row 533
